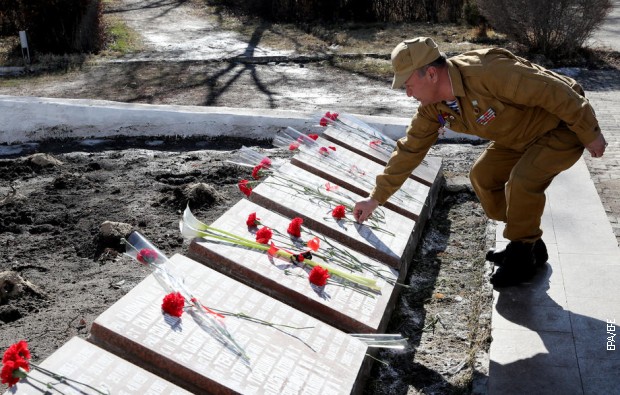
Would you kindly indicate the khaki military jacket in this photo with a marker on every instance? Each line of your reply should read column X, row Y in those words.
column 502, row 98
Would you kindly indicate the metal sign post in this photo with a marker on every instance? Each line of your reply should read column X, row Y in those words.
column 24, row 41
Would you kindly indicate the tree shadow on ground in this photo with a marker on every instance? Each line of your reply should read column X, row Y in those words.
column 234, row 70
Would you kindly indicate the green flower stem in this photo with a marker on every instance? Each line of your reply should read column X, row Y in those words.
column 61, row 380
column 290, row 183
column 378, row 360
column 363, row 292
column 346, row 168
column 258, row 320
column 357, row 279
column 206, row 231
column 371, row 226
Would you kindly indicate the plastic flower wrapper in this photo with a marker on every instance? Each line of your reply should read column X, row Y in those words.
column 350, row 123
column 191, row 227
column 362, row 132
column 329, row 156
column 382, row 340
column 16, row 365
column 141, row 249
column 310, row 148
column 249, row 157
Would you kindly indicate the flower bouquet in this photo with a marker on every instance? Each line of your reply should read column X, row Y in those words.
column 16, row 365
column 249, row 157
column 191, row 227
column 319, row 275
column 320, row 247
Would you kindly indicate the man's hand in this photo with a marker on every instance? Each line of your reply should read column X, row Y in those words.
column 597, row 147
column 364, row 208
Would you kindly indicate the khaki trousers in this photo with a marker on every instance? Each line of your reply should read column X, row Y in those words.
column 511, row 184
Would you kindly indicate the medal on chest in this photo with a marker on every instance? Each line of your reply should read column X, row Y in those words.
column 487, row 117
column 444, row 119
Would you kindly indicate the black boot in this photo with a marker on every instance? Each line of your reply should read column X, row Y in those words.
column 518, row 265
column 540, row 254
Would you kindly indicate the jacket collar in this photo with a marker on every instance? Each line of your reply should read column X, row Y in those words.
column 456, row 80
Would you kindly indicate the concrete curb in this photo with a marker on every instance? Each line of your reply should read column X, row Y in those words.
column 31, row 119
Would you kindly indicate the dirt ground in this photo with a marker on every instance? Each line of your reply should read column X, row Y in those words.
column 50, row 225
column 50, row 236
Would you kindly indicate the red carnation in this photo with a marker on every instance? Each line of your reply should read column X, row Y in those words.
column 265, row 162
column 245, row 188
column 339, row 212
column 10, row 373
column 333, row 116
column 314, row 243
column 323, row 151
column 293, row 146
column 329, row 187
column 256, row 172
column 252, row 220
column 146, row 256
column 173, row 304
column 264, row 235
column 15, row 357
column 331, row 147
column 272, row 250
column 17, row 350
column 324, row 122
column 313, row 136
column 294, row 228
column 318, row 276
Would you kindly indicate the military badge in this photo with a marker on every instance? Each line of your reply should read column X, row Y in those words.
column 487, row 117
column 444, row 119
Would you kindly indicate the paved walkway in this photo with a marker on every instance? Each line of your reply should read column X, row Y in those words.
column 557, row 334
column 550, row 336
column 603, row 90
column 607, row 35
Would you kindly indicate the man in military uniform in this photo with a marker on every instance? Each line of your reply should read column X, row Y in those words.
column 539, row 123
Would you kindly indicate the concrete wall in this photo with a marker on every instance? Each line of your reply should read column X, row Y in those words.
column 31, row 119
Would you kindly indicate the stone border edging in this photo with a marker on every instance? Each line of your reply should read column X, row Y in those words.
column 30, row 119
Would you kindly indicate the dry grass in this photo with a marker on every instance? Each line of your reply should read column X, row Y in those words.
column 350, row 38
column 10, row 53
column 376, row 39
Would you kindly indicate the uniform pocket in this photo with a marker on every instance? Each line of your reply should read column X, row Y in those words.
column 556, row 151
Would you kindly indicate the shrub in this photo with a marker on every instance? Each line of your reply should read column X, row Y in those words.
column 56, row 26
column 473, row 17
column 353, row 10
column 555, row 28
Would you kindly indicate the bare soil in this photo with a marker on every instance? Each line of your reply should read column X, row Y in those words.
column 50, row 232
column 50, row 223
